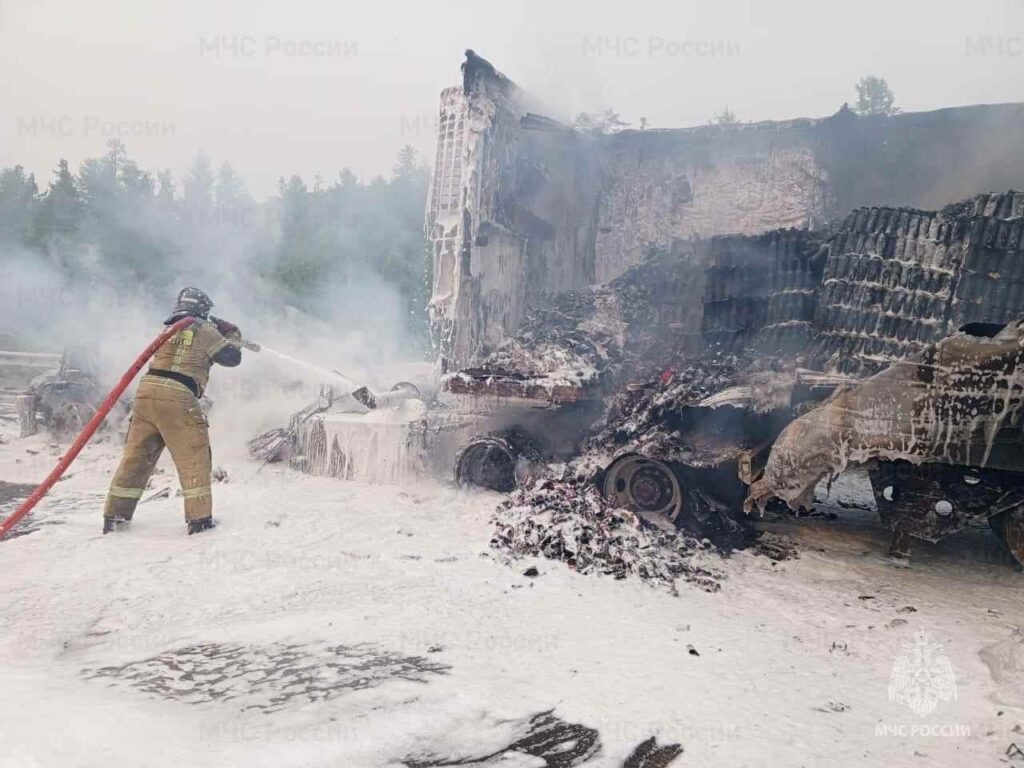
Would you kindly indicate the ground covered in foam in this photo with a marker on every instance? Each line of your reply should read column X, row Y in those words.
column 330, row 623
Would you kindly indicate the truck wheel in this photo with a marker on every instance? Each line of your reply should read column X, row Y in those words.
column 648, row 487
column 487, row 462
column 1009, row 527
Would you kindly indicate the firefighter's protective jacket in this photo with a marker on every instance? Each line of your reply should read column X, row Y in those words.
column 167, row 413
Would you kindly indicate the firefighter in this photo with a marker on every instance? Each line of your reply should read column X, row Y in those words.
column 167, row 413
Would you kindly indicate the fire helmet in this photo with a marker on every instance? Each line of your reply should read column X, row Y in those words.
column 191, row 302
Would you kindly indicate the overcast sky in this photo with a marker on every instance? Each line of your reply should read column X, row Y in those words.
column 312, row 87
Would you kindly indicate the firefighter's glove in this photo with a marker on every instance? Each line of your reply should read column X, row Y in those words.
column 227, row 329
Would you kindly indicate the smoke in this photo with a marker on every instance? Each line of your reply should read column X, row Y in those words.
column 109, row 302
column 48, row 310
column 360, row 333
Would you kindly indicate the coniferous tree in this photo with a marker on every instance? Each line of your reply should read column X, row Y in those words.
column 60, row 209
column 165, row 189
column 231, row 202
column 116, row 223
column 59, row 219
column 197, row 197
column 18, row 193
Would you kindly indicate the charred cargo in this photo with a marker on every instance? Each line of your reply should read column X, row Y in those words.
column 818, row 352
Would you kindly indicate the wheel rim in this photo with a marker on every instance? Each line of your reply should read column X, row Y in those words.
column 646, row 486
column 407, row 386
column 487, row 463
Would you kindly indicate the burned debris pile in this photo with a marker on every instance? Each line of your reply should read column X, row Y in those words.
column 573, row 519
column 569, row 521
column 584, row 343
column 650, row 432
column 641, row 418
column 817, row 351
column 551, row 357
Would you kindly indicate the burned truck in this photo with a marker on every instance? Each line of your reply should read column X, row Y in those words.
column 940, row 434
column 57, row 391
column 655, row 309
column 522, row 207
column 891, row 342
column 774, row 298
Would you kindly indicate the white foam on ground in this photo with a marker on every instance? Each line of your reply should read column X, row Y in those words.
column 794, row 666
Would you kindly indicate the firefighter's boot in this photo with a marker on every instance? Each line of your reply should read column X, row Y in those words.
column 114, row 524
column 198, row 526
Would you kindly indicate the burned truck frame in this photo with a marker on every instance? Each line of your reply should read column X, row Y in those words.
column 522, row 207
column 660, row 309
column 769, row 313
column 927, row 306
column 890, row 341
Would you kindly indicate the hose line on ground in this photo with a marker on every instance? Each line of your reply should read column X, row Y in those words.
column 89, row 429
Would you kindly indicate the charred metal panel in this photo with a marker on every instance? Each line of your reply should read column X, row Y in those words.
column 990, row 287
column 899, row 279
column 957, row 402
column 522, row 208
column 511, row 213
column 763, row 290
column 477, row 382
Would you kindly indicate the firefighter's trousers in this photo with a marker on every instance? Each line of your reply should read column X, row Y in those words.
column 165, row 413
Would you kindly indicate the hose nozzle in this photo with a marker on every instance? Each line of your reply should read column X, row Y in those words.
column 244, row 344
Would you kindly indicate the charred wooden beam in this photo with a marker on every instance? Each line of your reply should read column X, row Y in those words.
column 539, row 390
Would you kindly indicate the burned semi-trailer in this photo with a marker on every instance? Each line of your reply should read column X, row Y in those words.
column 657, row 310
column 523, row 207
column 559, row 255
column 932, row 303
column 874, row 346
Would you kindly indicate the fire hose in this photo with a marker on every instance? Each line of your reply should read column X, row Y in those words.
column 101, row 413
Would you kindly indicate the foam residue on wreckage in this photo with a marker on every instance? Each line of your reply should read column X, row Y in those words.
column 562, row 514
column 567, row 519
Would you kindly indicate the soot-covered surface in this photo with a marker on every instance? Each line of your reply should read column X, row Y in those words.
column 559, row 744
column 48, row 513
column 569, row 521
column 579, row 343
column 268, row 677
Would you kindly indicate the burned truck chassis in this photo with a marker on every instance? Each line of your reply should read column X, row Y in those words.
column 699, row 477
column 932, row 501
column 704, row 496
column 927, row 501
column 847, row 302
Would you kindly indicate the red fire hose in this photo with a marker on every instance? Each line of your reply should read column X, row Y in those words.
column 90, row 428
